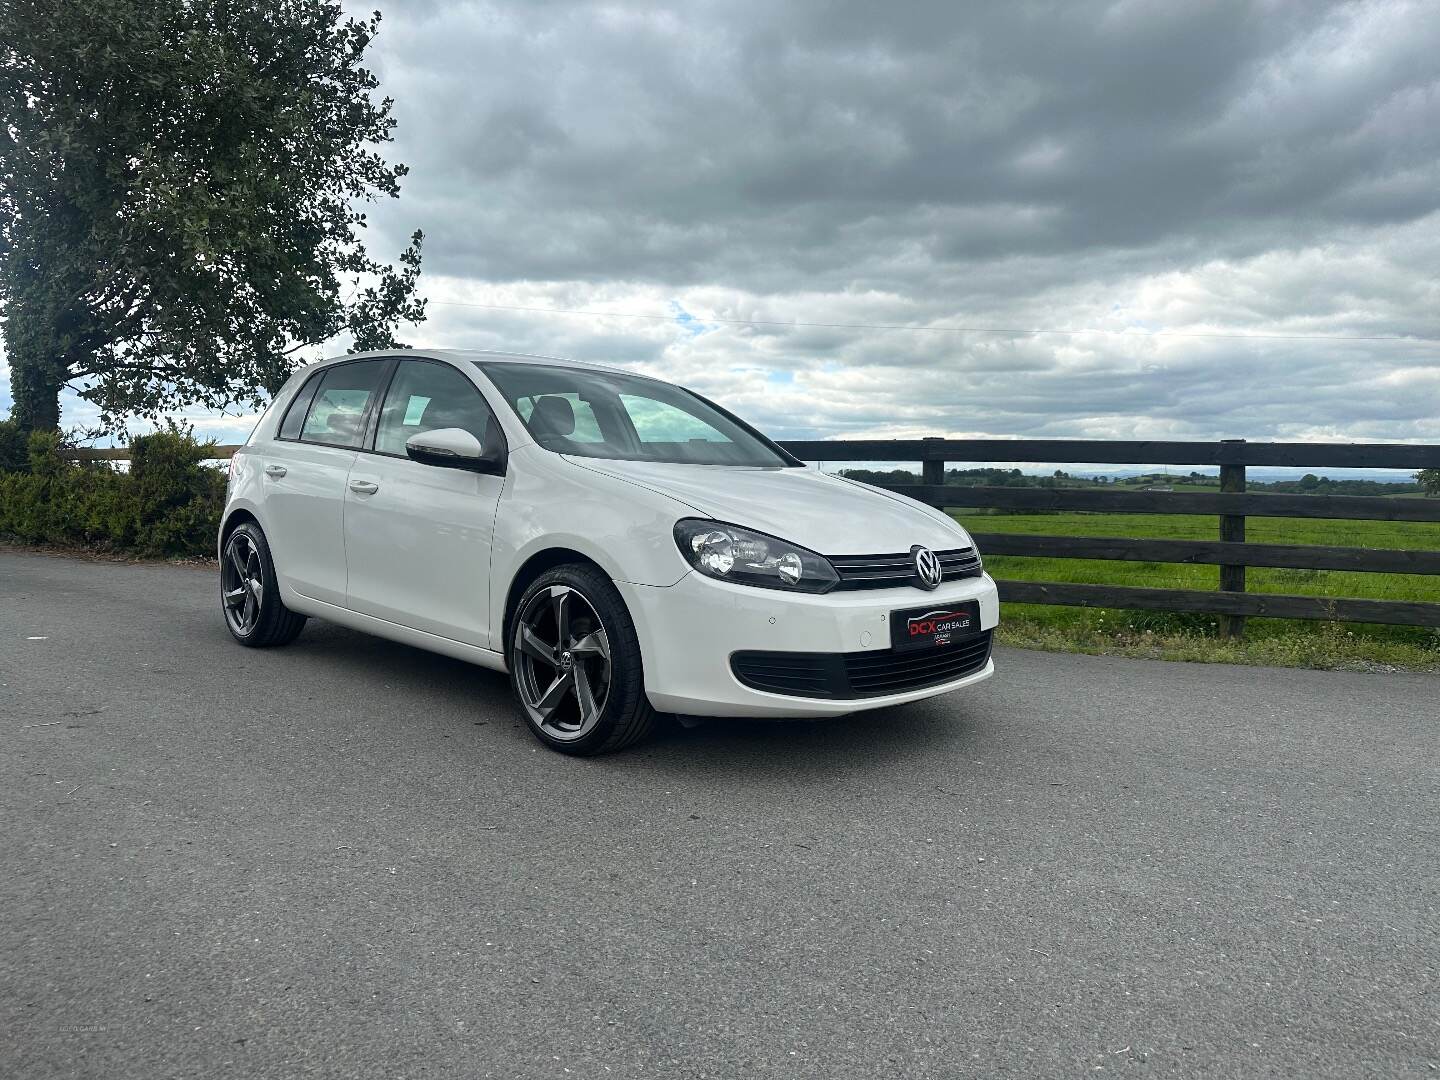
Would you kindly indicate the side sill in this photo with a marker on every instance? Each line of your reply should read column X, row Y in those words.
column 369, row 624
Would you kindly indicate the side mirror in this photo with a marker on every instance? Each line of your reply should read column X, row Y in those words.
column 453, row 448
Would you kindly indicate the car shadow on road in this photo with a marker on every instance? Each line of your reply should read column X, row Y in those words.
column 815, row 748
column 439, row 692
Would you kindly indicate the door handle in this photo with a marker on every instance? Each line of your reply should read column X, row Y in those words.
column 275, row 470
column 364, row 487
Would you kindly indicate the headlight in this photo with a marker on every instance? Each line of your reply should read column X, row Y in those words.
column 730, row 553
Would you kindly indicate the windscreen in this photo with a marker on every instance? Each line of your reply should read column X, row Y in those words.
column 603, row 414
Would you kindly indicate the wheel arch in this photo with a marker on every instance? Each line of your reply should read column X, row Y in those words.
column 535, row 565
column 234, row 518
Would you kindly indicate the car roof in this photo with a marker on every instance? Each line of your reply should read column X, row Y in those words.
column 482, row 356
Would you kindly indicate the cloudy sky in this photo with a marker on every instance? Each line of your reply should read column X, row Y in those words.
column 1234, row 208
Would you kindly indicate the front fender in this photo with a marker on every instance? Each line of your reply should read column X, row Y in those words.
column 550, row 504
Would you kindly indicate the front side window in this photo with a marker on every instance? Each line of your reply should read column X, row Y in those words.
column 425, row 395
column 337, row 414
column 608, row 414
column 587, row 428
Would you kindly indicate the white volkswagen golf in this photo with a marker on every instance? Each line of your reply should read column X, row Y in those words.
column 619, row 545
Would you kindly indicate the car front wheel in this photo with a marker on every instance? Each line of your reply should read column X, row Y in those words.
column 575, row 663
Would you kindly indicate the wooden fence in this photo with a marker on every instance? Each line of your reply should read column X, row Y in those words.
column 1231, row 505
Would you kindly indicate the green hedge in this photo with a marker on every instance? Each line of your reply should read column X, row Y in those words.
column 167, row 504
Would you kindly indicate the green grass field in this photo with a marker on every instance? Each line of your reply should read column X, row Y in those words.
column 1185, row 636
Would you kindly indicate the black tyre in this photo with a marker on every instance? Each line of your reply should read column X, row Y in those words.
column 575, row 663
column 249, row 594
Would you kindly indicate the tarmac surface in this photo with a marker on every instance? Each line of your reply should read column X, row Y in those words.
column 349, row 858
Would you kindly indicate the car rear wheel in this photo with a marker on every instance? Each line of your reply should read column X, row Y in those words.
column 575, row 663
column 249, row 595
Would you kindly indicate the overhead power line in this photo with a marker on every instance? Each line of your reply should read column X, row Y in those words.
column 930, row 329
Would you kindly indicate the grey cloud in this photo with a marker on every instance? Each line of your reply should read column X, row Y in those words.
column 1236, row 167
column 745, row 142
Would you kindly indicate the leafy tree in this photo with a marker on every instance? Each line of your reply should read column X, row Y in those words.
column 179, row 193
column 1429, row 479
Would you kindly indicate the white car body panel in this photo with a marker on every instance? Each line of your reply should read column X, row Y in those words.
column 688, row 632
column 803, row 506
column 368, row 624
column 431, row 557
column 307, row 507
column 417, row 548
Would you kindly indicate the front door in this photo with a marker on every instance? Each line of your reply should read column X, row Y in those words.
column 417, row 537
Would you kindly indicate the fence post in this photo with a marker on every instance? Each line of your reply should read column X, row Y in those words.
column 932, row 470
column 1232, row 529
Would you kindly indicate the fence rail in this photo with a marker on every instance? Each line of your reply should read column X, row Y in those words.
column 1214, row 552
column 1120, row 452
column 1232, row 505
column 122, row 453
column 1100, row 500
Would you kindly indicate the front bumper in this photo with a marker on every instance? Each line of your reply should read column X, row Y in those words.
column 688, row 632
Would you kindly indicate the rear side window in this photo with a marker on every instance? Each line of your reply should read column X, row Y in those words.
column 295, row 415
column 337, row 412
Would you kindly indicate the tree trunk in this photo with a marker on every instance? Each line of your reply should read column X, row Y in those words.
column 35, row 383
column 38, row 366
column 36, row 389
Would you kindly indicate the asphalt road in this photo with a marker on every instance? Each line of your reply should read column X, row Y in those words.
column 348, row 858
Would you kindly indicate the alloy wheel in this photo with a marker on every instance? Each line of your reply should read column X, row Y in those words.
column 561, row 657
column 242, row 583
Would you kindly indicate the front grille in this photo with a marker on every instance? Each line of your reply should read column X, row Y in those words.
column 872, row 673
column 889, row 571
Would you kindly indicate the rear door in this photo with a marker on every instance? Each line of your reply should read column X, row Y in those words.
column 417, row 537
column 304, row 472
